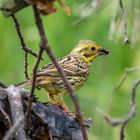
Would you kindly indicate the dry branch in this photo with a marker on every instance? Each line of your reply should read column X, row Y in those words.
column 16, row 108
column 121, row 81
column 125, row 119
column 126, row 39
column 45, row 47
column 122, row 121
column 33, row 86
column 26, row 65
column 48, row 50
column 13, row 130
column 47, row 120
column 23, row 45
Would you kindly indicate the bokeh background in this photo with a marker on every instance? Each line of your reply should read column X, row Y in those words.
column 100, row 22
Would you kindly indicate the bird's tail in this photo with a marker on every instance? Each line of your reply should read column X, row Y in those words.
column 39, row 81
column 24, row 84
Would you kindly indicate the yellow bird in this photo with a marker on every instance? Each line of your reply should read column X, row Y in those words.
column 76, row 66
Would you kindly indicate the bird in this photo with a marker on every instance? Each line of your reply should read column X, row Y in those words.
column 76, row 66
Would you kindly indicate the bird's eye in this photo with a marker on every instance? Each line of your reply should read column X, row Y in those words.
column 92, row 48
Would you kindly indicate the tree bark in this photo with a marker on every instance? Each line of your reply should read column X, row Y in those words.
column 48, row 121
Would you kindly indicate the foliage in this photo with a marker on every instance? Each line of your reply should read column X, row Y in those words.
column 63, row 34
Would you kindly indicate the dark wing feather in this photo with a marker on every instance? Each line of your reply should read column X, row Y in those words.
column 72, row 67
column 67, row 63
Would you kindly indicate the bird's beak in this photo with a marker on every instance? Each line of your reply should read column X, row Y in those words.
column 102, row 51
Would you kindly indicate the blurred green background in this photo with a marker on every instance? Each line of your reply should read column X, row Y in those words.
column 101, row 24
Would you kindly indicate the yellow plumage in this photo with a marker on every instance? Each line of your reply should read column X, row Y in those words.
column 76, row 66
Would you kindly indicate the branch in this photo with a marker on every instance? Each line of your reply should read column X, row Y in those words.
column 48, row 121
column 126, row 40
column 23, row 45
column 33, row 86
column 59, row 124
column 125, row 119
column 122, row 133
column 121, row 81
column 16, row 107
column 46, row 47
column 26, row 65
column 14, row 129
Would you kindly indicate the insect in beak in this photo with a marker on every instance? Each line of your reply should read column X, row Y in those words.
column 102, row 51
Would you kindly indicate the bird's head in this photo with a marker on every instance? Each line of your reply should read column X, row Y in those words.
column 88, row 50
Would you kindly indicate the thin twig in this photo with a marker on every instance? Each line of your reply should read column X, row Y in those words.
column 126, row 40
column 132, row 104
column 60, row 70
column 125, row 119
column 40, row 52
column 122, row 132
column 26, row 65
column 23, row 45
column 14, row 128
column 121, row 81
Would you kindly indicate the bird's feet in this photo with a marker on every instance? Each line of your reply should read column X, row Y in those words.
column 65, row 109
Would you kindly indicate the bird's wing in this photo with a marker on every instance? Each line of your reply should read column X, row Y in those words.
column 67, row 64
column 72, row 67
